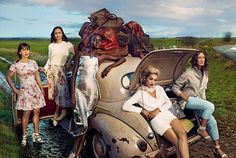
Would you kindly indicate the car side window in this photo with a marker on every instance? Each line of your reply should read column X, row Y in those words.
column 126, row 80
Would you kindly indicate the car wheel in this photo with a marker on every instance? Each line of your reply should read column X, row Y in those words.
column 99, row 146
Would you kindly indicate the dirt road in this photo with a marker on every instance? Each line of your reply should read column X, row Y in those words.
column 227, row 129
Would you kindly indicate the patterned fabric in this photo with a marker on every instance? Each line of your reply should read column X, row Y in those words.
column 32, row 98
column 58, row 89
column 86, row 92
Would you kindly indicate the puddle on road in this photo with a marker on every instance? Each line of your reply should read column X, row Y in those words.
column 58, row 143
column 3, row 83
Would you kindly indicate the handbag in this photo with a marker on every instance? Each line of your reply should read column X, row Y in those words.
column 176, row 110
column 106, row 19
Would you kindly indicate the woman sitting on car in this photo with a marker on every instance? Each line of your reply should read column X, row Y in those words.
column 191, row 87
column 154, row 106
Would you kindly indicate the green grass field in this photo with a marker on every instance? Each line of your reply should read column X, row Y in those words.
column 221, row 89
column 9, row 146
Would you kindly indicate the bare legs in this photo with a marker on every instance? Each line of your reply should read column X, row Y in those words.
column 24, row 121
column 202, row 129
column 79, row 142
column 218, row 150
column 36, row 120
column 62, row 115
column 57, row 115
column 56, row 112
column 177, row 136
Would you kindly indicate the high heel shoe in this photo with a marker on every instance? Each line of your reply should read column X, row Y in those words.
column 206, row 136
column 37, row 139
column 63, row 114
column 23, row 142
column 219, row 154
column 73, row 155
column 55, row 122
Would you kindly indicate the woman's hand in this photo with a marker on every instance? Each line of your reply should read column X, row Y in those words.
column 184, row 96
column 41, row 69
column 19, row 92
column 42, row 91
column 153, row 113
column 67, row 66
column 145, row 113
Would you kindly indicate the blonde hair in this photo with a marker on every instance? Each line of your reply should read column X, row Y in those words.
column 147, row 71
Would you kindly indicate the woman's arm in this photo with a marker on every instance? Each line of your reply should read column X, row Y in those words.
column 179, row 84
column 37, row 77
column 69, row 59
column 38, row 80
column 167, row 103
column 45, row 68
column 73, row 77
column 8, row 78
column 70, row 56
column 128, row 105
column 118, row 61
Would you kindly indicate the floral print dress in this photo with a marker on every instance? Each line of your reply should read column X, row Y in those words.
column 32, row 98
column 59, row 89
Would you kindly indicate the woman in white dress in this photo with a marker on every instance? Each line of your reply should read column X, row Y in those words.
column 154, row 106
column 59, row 59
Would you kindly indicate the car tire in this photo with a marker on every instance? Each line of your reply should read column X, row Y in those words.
column 96, row 145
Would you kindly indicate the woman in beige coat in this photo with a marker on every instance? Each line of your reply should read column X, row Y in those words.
column 191, row 87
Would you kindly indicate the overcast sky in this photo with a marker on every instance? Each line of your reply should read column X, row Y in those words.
column 159, row 18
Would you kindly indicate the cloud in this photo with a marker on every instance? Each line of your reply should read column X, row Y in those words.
column 72, row 25
column 159, row 17
column 222, row 20
column 6, row 19
column 45, row 2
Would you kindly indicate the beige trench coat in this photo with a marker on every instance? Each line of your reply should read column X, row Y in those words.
column 192, row 83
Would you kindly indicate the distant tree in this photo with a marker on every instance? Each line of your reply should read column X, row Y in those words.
column 228, row 36
column 187, row 41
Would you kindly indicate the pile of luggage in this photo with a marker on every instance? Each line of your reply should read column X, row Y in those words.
column 129, row 38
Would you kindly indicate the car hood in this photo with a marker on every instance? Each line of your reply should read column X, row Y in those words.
column 170, row 62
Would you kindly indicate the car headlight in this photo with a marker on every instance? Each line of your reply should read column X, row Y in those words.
column 142, row 145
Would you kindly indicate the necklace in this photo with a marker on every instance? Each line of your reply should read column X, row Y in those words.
column 147, row 89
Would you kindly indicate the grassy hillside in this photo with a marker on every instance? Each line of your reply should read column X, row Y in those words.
column 39, row 49
column 222, row 85
column 9, row 147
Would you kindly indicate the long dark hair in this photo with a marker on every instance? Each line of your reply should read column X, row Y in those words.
column 194, row 59
column 64, row 38
column 20, row 47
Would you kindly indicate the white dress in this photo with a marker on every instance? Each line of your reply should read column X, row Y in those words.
column 56, row 73
column 86, row 89
column 161, row 122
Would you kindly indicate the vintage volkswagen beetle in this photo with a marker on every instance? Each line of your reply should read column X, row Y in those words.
column 114, row 133
column 118, row 134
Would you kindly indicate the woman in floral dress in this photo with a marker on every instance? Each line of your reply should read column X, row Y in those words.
column 30, row 94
